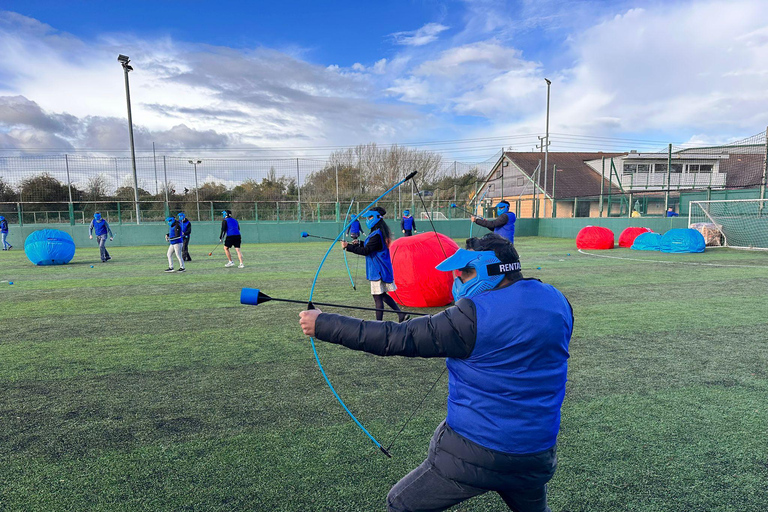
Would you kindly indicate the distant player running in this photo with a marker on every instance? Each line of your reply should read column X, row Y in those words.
column 231, row 229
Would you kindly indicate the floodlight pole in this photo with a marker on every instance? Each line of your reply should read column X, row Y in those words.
column 124, row 60
column 546, row 149
column 197, row 188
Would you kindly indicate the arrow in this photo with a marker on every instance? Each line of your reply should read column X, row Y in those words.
column 454, row 205
column 304, row 234
column 254, row 297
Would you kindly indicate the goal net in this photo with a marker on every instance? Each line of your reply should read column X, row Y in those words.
column 738, row 223
column 435, row 216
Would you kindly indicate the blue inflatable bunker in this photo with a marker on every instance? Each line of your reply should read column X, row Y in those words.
column 647, row 242
column 49, row 247
column 682, row 240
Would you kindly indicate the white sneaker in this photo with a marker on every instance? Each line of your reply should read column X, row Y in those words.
column 230, row 264
column 241, row 266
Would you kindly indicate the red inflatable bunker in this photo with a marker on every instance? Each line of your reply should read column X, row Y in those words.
column 594, row 237
column 414, row 259
column 627, row 237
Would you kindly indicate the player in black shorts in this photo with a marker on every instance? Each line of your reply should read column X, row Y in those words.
column 231, row 228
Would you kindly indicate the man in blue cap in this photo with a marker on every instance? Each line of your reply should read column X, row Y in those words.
column 407, row 224
column 4, row 233
column 175, row 239
column 186, row 231
column 506, row 348
column 503, row 224
column 101, row 226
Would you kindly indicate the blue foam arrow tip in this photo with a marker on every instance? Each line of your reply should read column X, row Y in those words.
column 304, row 234
column 453, row 205
column 249, row 296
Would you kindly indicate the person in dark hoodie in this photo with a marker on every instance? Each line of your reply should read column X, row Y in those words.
column 101, row 226
column 4, row 233
column 378, row 264
column 186, row 232
column 503, row 224
column 506, row 347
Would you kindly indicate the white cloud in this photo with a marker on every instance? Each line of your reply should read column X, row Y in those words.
column 425, row 35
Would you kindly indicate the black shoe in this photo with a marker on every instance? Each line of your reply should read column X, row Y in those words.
column 168, row 270
column 10, row 247
column 182, row 269
column 109, row 258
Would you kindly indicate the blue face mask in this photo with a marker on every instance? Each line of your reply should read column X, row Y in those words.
column 373, row 219
column 181, row 216
column 97, row 216
column 406, row 213
column 502, row 208
column 169, row 220
column 224, row 214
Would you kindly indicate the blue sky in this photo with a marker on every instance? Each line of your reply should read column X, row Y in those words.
column 295, row 77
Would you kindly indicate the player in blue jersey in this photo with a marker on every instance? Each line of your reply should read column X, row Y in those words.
column 4, row 233
column 354, row 231
column 503, row 224
column 186, row 232
column 378, row 265
column 231, row 229
column 407, row 224
column 101, row 226
column 506, row 348
column 175, row 239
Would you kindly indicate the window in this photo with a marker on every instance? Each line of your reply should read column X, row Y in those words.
column 646, row 168
column 692, row 168
column 662, row 168
column 520, row 181
column 630, row 168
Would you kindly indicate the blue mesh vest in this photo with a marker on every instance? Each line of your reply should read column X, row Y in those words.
column 100, row 227
column 174, row 233
column 508, row 229
column 507, row 394
column 378, row 265
column 408, row 223
column 233, row 227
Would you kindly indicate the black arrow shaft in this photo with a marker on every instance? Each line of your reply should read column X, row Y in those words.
column 320, row 237
column 349, row 307
column 469, row 212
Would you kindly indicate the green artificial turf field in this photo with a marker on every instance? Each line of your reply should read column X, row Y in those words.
column 124, row 388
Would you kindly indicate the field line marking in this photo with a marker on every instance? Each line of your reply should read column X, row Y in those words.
column 673, row 262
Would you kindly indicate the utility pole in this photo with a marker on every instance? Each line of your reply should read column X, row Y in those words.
column 124, row 60
column 546, row 147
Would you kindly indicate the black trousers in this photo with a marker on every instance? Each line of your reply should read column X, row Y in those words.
column 457, row 469
column 408, row 232
column 185, row 250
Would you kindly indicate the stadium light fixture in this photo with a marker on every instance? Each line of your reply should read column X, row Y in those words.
column 124, row 60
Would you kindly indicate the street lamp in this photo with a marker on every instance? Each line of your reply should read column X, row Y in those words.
column 546, row 147
column 197, row 192
column 124, row 60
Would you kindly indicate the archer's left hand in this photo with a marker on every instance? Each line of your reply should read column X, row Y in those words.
column 307, row 321
column 344, row 244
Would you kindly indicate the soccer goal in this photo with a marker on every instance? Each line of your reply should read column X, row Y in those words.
column 737, row 223
column 435, row 216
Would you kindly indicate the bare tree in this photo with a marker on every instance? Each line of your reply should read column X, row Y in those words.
column 96, row 187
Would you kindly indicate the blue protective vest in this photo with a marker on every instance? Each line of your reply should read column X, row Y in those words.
column 184, row 226
column 4, row 226
column 408, row 223
column 378, row 265
column 100, row 227
column 507, row 394
column 174, row 234
column 233, row 228
column 508, row 229
column 354, row 228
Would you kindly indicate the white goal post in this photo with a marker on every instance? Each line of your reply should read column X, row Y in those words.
column 736, row 223
column 435, row 216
